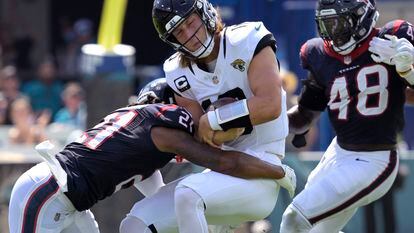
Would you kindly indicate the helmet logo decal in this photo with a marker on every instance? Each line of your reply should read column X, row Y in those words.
column 182, row 84
column 172, row 23
column 239, row 64
column 347, row 60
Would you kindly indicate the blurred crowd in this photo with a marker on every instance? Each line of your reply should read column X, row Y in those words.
column 38, row 93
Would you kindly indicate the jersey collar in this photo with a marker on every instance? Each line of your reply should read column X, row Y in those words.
column 347, row 59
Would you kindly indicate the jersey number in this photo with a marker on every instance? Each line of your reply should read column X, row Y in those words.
column 186, row 121
column 110, row 125
column 339, row 96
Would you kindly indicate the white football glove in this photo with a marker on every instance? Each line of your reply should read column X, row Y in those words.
column 289, row 180
column 381, row 50
column 404, row 56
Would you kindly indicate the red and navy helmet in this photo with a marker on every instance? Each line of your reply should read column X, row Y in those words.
column 345, row 23
column 156, row 91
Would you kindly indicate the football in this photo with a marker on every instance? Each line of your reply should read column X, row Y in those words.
column 221, row 137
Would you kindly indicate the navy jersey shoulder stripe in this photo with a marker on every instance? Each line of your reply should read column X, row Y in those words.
column 224, row 43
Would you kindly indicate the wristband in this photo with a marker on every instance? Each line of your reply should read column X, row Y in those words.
column 233, row 115
column 408, row 75
column 213, row 121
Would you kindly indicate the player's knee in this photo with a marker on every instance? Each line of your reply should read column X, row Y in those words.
column 186, row 200
column 294, row 222
column 133, row 225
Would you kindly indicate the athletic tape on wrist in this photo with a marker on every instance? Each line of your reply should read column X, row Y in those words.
column 233, row 115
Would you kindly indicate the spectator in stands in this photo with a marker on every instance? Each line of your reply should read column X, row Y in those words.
column 44, row 92
column 9, row 86
column 6, row 44
column 82, row 34
column 3, row 109
column 74, row 111
column 26, row 128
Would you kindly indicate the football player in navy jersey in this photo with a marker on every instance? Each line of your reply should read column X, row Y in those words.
column 359, row 73
column 125, row 148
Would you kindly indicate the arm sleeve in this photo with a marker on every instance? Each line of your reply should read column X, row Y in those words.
column 313, row 95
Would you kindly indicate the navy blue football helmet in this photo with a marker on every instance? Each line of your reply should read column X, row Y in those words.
column 345, row 23
column 156, row 91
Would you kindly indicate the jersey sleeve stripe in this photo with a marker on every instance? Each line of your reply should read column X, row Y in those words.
column 224, row 42
column 303, row 54
column 166, row 108
column 267, row 40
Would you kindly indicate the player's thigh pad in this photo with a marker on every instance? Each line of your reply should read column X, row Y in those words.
column 231, row 200
column 37, row 203
column 346, row 180
column 157, row 211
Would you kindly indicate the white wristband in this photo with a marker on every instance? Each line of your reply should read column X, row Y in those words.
column 213, row 121
column 232, row 111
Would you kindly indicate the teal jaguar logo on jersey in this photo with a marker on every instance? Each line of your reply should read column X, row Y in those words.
column 239, row 64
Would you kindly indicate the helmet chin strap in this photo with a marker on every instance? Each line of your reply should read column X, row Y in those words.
column 206, row 47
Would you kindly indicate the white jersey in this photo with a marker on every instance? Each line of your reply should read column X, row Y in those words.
column 238, row 45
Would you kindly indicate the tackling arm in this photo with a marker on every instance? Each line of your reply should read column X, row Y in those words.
column 192, row 106
column 227, row 162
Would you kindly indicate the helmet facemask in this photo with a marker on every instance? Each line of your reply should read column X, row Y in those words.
column 208, row 16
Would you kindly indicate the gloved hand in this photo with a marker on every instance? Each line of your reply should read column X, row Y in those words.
column 404, row 56
column 299, row 140
column 381, row 50
column 289, row 180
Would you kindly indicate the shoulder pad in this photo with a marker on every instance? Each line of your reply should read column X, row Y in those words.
column 309, row 49
column 174, row 74
column 172, row 63
column 248, row 32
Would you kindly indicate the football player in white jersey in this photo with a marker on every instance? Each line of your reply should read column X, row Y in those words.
column 213, row 62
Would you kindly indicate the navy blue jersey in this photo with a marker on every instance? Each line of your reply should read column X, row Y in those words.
column 118, row 151
column 364, row 99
